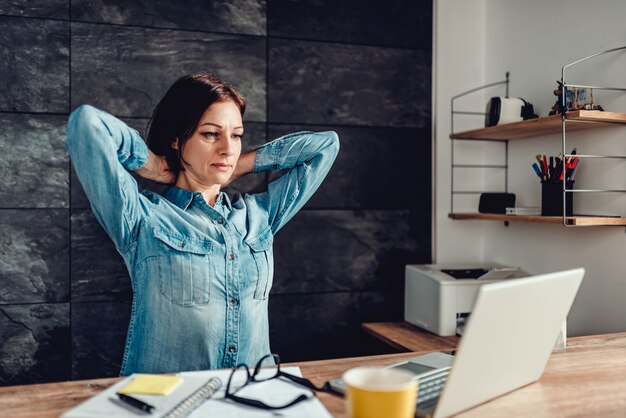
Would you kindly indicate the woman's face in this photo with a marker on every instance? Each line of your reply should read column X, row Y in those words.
column 211, row 153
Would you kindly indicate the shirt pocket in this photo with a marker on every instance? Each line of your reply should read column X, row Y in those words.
column 184, row 265
column 261, row 248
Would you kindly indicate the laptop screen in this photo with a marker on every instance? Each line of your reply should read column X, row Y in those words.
column 508, row 339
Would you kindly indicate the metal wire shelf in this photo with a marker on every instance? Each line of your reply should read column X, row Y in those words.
column 565, row 120
column 541, row 126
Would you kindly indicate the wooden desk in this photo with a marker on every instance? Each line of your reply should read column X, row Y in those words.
column 587, row 379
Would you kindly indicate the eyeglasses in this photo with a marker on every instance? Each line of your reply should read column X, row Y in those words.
column 254, row 378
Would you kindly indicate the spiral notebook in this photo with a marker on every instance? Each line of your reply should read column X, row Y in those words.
column 182, row 401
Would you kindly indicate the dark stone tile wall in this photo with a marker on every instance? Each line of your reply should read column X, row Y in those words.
column 34, row 254
column 54, row 9
column 344, row 251
column 247, row 17
column 98, row 337
column 34, row 343
column 32, row 143
column 327, row 83
column 126, row 70
column 34, row 65
column 372, row 168
column 390, row 23
column 98, row 271
column 327, row 325
column 319, row 65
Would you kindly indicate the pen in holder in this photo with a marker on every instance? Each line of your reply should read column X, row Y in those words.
column 552, row 198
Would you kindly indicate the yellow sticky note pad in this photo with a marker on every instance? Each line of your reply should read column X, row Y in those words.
column 151, row 384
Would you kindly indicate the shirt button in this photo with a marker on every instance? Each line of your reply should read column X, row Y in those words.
column 233, row 302
column 181, row 245
column 219, row 221
column 231, row 257
column 232, row 348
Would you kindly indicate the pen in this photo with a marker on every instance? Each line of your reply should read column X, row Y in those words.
column 136, row 403
column 551, row 169
column 538, row 158
column 559, row 169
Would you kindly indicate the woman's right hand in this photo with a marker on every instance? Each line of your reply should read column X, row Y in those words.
column 157, row 169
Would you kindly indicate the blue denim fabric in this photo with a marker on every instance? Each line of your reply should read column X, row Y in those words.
column 200, row 275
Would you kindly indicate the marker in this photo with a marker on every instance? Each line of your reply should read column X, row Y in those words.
column 536, row 168
column 136, row 403
column 573, row 173
column 574, row 167
column 569, row 159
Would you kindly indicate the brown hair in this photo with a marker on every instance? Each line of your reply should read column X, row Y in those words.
column 178, row 113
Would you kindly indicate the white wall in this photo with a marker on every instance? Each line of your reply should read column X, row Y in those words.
column 458, row 62
column 533, row 39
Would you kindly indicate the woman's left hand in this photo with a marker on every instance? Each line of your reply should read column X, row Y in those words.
column 245, row 165
column 157, row 169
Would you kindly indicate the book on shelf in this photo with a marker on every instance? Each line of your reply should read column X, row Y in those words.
column 523, row 211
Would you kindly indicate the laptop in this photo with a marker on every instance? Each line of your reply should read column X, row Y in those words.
column 506, row 344
column 508, row 340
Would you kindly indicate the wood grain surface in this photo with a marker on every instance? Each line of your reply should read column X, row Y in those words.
column 586, row 379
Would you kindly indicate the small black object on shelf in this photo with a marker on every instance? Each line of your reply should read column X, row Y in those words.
column 496, row 202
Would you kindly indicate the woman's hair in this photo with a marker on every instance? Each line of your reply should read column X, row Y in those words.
column 178, row 113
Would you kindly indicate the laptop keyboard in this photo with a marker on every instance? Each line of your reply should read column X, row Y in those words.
column 429, row 390
column 428, row 405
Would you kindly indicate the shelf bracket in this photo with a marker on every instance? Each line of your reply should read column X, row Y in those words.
column 455, row 112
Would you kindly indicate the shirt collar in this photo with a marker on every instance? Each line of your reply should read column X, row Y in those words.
column 224, row 200
column 180, row 197
column 183, row 198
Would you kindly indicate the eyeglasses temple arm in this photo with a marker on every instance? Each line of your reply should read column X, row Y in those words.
column 306, row 382
column 263, row 405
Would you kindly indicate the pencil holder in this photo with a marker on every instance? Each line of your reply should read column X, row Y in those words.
column 552, row 198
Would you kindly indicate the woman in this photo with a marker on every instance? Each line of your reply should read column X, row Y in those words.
column 201, row 266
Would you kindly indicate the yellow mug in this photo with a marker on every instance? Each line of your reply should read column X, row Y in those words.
column 374, row 392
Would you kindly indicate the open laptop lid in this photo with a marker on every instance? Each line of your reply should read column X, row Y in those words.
column 509, row 338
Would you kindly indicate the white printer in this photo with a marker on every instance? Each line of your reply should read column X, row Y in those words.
column 439, row 297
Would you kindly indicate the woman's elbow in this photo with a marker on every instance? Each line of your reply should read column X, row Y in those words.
column 82, row 118
column 332, row 141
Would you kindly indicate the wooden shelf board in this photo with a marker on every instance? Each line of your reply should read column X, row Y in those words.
column 405, row 336
column 543, row 125
column 571, row 220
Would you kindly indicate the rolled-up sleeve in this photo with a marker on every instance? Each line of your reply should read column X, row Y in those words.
column 102, row 148
column 308, row 157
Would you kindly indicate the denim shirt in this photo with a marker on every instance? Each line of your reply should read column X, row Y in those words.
column 200, row 275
